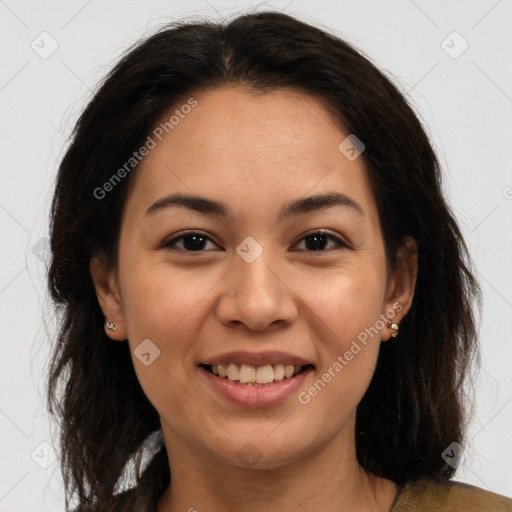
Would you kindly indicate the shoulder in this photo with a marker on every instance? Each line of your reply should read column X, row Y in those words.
column 429, row 495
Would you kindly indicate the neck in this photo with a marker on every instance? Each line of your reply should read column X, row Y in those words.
column 328, row 478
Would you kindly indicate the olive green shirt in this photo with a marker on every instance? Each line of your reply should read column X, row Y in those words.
column 428, row 495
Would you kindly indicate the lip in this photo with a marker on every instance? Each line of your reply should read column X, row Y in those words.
column 257, row 358
column 252, row 397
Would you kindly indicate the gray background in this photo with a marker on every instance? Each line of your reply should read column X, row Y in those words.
column 464, row 100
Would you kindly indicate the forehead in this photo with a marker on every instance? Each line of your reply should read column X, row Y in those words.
column 250, row 150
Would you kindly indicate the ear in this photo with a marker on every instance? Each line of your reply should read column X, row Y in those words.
column 400, row 292
column 105, row 283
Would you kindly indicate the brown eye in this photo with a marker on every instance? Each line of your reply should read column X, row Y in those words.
column 316, row 241
column 191, row 242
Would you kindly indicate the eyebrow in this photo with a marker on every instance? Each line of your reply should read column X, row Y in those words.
column 293, row 208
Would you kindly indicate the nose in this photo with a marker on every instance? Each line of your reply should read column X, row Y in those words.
column 257, row 295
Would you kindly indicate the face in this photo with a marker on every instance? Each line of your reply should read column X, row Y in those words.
column 200, row 285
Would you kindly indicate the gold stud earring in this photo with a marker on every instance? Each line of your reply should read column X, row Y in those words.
column 110, row 325
column 395, row 327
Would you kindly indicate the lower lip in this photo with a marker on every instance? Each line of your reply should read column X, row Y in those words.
column 253, row 396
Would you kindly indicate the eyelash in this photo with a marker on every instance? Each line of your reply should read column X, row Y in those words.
column 171, row 243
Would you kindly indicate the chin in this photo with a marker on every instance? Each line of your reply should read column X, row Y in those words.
column 254, row 451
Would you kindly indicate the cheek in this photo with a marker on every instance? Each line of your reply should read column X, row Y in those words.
column 347, row 308
column 165, row 306
column 346, row 302
column 157, row 300
column 348, row 354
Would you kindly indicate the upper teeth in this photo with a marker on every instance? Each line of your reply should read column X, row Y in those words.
column 258, row 374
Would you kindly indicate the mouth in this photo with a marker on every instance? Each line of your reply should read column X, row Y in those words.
column 256, row 376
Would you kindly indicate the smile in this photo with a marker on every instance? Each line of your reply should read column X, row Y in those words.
column 250, row 375
column 253, row 393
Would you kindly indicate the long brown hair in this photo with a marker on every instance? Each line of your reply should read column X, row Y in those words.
column 415, row 405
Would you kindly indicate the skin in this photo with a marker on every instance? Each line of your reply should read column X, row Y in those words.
column 255, row 153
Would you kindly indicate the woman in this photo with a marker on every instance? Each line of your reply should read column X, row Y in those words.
column 245, row 212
